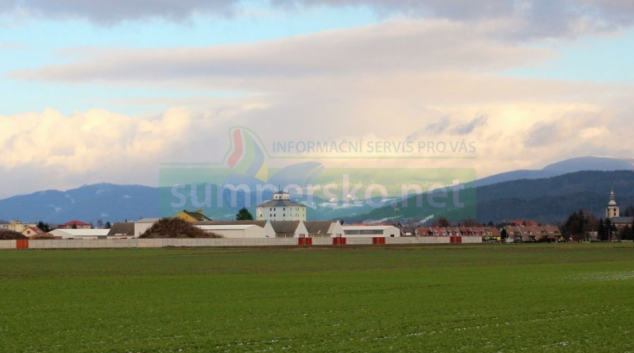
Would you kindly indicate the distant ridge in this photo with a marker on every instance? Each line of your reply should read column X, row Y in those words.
column 572, row 165
column 88, row 203
column 516, row 194
column 591, row 163
column 548, row 200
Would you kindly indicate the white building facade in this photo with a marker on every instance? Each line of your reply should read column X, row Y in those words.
column 238, row 229
column 281, row 208
column 370, row 231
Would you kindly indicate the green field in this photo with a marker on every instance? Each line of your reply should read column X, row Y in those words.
column 488, row 298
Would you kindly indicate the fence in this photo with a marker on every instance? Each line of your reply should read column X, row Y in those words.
column 164, row 243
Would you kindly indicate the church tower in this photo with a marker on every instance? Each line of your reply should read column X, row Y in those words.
column 613, row 210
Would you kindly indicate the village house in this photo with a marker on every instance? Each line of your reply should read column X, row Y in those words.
column 142, row 225
column 33, row 231
column 122, row 230
column 484, row 232
column 16, row 226
column 531, row 234
column 191, row 217
column 74, row 224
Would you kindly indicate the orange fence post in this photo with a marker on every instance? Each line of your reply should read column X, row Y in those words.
column 305, row 241
column 378, row 241
column 338, row 241
column 22, row 244
column 455, row 240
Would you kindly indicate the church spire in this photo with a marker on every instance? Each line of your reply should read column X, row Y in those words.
column 612, row 210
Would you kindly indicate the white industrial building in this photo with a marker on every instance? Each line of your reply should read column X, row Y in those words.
column 238, row 229
column 329, row 229
column 80, row 233
column 370, row 231
column 143, row 225
column 290, row 229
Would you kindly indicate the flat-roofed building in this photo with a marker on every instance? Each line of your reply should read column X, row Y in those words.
column 365, row 230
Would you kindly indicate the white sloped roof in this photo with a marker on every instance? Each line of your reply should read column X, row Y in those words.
column 226, row 227
column 367, row 227
column 80, row 232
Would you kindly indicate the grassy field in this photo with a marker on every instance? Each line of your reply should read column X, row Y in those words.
column 489, row 298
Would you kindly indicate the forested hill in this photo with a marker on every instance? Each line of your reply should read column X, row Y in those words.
column 546, row 200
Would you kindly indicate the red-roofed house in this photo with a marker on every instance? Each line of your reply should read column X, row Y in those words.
column 523, row 223
column 31, row 231
column 74, row 224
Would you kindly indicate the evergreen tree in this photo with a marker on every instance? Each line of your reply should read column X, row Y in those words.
column 244, row 215
column 44, row 226
column 608, row 229
column 504, row 234
column 601, row 232
column 108, row 225
column 443, row 222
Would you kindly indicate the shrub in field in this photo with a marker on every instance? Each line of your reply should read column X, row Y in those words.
column 11, row 235
column 176, row 228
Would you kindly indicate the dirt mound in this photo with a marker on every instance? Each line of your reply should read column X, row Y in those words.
column 10, row 235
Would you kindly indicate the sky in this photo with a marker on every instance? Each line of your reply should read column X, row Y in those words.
column 113, row 90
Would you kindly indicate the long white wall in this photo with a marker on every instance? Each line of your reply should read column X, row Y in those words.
column 7, row 244
column 163, row 243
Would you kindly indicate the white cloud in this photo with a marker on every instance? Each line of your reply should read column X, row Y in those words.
column 50, row 150
column 93, row 146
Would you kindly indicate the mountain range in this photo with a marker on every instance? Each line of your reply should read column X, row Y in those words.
column 560, row 168
column 549, row 200
column 546, row 195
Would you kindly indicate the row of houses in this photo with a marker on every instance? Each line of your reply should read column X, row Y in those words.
column 531, row 233
column 16, row 226
column 490, row 232
column 288, row 229
column 32, row 230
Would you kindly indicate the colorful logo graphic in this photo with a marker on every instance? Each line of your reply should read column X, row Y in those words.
column 247, row 156
column 245, row 178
